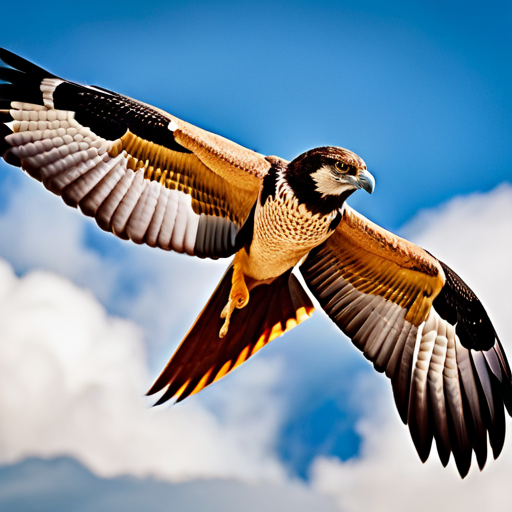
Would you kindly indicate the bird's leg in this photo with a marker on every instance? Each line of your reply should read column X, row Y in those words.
column 238, row 296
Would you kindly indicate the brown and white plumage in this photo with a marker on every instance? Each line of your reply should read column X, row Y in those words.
column 147, row 176
column 140, row 172
column 418, row 322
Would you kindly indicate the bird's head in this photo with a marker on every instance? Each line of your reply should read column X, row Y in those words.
column 323, row 178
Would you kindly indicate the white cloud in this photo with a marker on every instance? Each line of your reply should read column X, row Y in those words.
column 473, row 235
column 71, row 380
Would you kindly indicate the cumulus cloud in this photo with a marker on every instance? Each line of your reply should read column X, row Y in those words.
column 473, row 235
column 71, row 379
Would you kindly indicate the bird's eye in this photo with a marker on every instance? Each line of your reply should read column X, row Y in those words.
column 341, row 167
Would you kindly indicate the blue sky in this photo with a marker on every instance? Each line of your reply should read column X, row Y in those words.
column 421, row 90
column 414, row 88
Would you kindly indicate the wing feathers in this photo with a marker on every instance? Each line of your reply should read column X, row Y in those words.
column 143, row 212
column 127, row 205
column 437, row 397
column 401, row 378
column 418, row 415
column 166, row 231
column 497, row 432
column 75, row 163
column 109, row 206
column 390, row 334
column 83, row 183
column 91, row 203
column 157, row 220
column 478, row 434
column 384, row 293
column 99, row 150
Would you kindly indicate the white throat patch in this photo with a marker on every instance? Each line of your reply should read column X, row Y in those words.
column 327, row 185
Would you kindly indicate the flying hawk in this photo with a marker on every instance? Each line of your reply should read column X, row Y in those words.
column 150, row 177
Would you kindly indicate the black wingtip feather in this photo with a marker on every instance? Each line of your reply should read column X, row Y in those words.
column 19, row 63
column 420, row 423
column 4, row 145
column 505, row 384
column 5, row 116
column 461, row 446
column 472, row 403
column 20, row 80
column 497, row 434
column 444, row 455
column 476, row 432
column 459, row 305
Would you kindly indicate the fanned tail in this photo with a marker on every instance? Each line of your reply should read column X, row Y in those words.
column 203, row 357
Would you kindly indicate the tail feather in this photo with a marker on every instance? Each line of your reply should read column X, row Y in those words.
column 203, row 357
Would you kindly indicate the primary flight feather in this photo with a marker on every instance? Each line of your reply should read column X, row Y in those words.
column 150, row 177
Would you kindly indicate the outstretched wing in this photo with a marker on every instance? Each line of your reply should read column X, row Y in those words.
column 140, row 172
column 416, row 320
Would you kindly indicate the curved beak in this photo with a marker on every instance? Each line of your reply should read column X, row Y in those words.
column 366, row 181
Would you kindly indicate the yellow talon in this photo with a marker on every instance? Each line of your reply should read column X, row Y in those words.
column 238, row 296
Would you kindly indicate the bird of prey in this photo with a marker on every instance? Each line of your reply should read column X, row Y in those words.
column 150, row 177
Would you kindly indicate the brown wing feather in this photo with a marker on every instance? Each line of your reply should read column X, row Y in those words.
column 212, row 193
column 376, row 262
column 415, row 319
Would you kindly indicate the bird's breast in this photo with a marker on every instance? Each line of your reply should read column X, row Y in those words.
column 284, row 232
